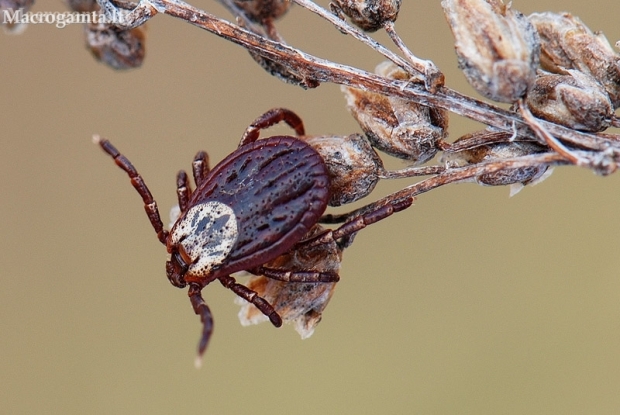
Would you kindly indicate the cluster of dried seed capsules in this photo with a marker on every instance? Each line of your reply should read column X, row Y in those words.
column 548, row 63
column 551, row 64
column 567, row 74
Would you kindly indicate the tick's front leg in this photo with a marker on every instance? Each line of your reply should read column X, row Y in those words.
column 201, row 309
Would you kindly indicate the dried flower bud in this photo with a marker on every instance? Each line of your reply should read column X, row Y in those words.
column 368, row 15
column 298, row 303
column 495, row 151
column 117, row 48
column 497, row 47
column 12, row 7
column 352, row 163
column 567, row 43
column 575, row 100
column 259, row 10
column 398, row 127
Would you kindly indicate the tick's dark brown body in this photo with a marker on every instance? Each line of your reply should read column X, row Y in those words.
column 278, row 189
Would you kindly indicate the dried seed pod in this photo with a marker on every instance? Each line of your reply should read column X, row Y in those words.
column 368, row 15
column 517, row 177
column 497, row 47
column 398, row 127
column 117, row 48
column 567, row 43
column 299, row 303
column 259, row 10
column 575, row 100
column 353, row 166
column 259, row 16
column 10, row 9
column 284, row 73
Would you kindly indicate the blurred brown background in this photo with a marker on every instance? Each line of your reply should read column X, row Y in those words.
column 470, row 302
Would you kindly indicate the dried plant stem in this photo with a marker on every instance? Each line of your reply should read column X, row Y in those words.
column 452, row 175
column 342, row 25
column 413, row 171
column 547, row 137
column 312, row 67
column 433, row 78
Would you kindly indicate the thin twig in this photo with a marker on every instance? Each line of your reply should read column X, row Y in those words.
column 326, row 71
column 547, row 137
column 453, row 175
column 433, row 78
column 346, row 28
column 321, row 70
column 412, row 171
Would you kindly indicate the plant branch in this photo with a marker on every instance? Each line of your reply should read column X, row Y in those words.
column 321, row 70
column 452, row 175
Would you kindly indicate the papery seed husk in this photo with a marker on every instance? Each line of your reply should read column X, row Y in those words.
column 497, row 47
column 370, row 15
column 352, row 163
column 495, row 151
column 117, row 48
column 575, row 100
column 297, row 303
column 567, row 43
column 398, row 127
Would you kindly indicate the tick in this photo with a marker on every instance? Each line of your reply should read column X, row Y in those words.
column 255, row 205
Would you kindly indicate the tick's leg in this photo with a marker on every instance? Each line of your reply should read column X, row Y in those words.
column 296, row 276
column 252, row 297
column 349, row 228
column 150, row 206
column 200, row 167
column 201, row 309
column 184, row 191
column 369, row 218
column 270, row 118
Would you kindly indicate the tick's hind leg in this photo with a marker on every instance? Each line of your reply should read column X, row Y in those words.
column 270, row 118
column 297, row 276
column 343, row 235
column 201, row 309
column 150, row 206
